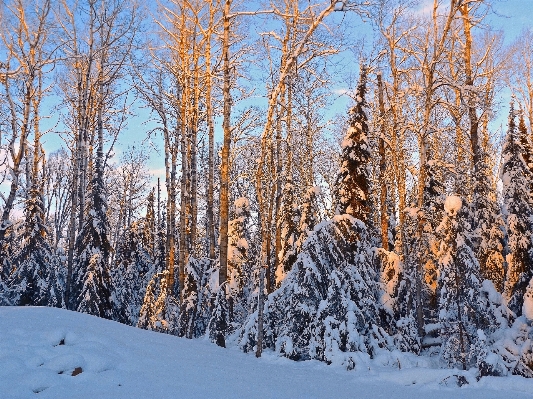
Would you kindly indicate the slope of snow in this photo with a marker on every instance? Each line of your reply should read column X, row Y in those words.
column 40, row 349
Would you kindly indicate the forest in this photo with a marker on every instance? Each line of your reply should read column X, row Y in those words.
column 400, row 222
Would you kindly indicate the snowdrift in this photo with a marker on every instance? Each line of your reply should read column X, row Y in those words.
column 55, row 353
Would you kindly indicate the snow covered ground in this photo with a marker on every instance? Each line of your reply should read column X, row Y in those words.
column 41, row 349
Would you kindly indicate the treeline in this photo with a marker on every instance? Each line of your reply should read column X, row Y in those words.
column 415, row 236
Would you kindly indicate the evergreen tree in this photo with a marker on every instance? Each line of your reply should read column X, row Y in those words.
column 462, row 308
column 525, row 142
column 238, row 246
column 95, row 297
column 289, row 226
column 150, row 226
column 196, row 295
column 508, row 348
column 488, row 228
column 4, row 294
column 352, row 185
column 218, row 324
column 5, row 269
column 160, row 255
column 147, row 309
column 333, row 277
column 239, row 262
column 427, row 246
column 328, row 304
column 133, row 270
column 518, row 212
column 7, row 246
column 38, row 278
column 160, row 310
column 92, row 281
column 397, row 301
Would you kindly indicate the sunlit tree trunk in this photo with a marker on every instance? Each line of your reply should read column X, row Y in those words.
column 225, row 159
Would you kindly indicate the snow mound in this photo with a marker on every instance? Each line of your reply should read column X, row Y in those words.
column 57, row 354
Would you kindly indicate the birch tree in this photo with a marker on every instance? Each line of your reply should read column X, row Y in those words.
column 29, row 55
column 97, row 43
column 428, row 49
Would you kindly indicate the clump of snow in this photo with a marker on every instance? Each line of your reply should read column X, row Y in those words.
column 411, row 211
column 506, row 179
column 339, row 6
column 242, row 205
column 347, row 142
column 316, row 190
column 452, row 205
column 493, row 295
column 527, row 307
column 391, row 270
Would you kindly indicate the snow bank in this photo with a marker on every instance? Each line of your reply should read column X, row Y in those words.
column 41, row 348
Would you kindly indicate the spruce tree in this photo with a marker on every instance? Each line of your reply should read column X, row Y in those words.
column 150, row 226
column 352, row 185
column 462, row 309
column 147, row 309
column 397, row 301
column 432, row 214
column 218, row 324
column 488, row 229
column 130, row 276
column 328, row 304
column 38, row 278
column 196, row 296
column 160, row 255
column 289, row 226
column 92, row 281
column 238, row 246
column 6, row 250
column 239, row 262
column 518, row 213
column 160, row 310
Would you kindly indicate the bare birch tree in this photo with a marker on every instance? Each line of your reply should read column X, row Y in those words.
column 26, row 35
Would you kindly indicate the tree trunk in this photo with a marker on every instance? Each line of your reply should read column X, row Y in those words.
column 211, row 155
column 469, row 82
column 193, row 190
column 19, row 155
column 384, row 216
column 225, row 167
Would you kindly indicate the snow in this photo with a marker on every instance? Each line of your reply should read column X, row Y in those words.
column 41, row 348
column 241, row 203
column 316, row 190
column 452, row 205
column 527, row 307
column 412, row 212
column 347, row 142
column 339, row 6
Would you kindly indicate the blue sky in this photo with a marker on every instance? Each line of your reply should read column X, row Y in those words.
column 510, row 16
